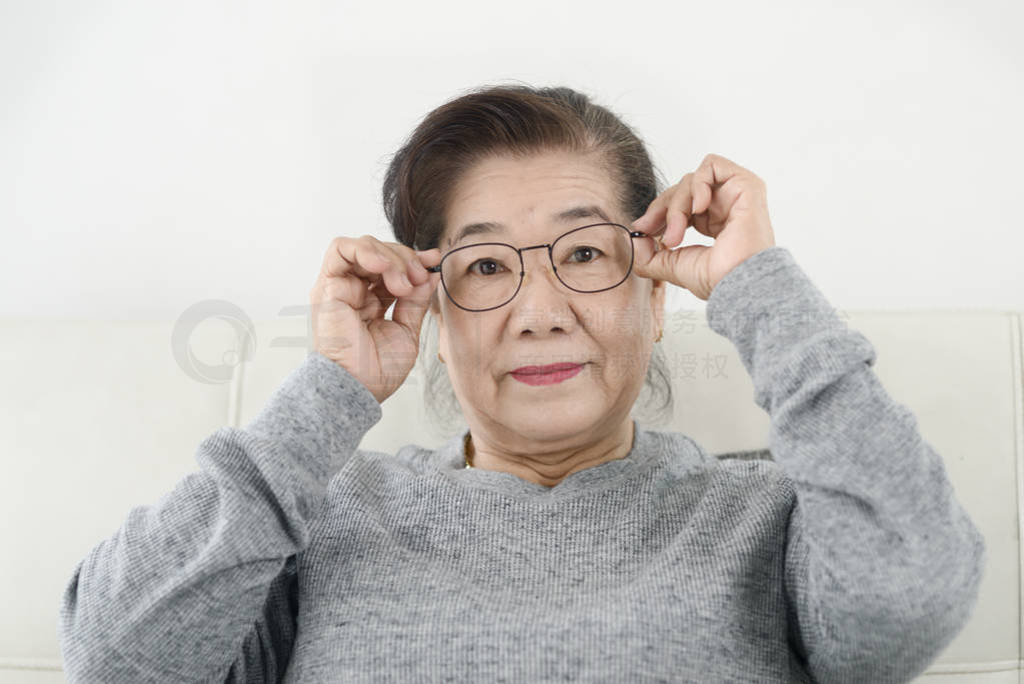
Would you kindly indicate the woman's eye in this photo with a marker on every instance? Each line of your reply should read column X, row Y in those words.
column 487, row 266
column 587, row 254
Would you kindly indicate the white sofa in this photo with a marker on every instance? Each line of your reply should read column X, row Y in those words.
column 99, row 417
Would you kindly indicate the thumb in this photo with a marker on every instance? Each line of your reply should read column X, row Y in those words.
column 409, row 310
column 678, row 266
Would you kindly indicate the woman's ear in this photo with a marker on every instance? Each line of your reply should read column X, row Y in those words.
column 658, row 289
column 434, row 304
column 442, row 340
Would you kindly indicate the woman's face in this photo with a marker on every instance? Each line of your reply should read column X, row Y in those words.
column 611, row 332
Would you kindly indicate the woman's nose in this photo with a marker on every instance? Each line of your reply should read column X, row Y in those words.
column 542, row 302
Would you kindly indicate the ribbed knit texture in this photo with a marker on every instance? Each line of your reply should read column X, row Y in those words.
column 293, row 556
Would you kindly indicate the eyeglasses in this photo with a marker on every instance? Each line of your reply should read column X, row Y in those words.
column 488, row 275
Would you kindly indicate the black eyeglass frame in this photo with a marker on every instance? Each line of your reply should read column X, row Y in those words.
column 522, row 266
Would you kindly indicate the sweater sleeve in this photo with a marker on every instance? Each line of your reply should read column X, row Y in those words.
column 883, row 565
column 200, row 586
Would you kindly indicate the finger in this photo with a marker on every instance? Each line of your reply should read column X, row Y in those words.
column 713, row 173
column 427, row 258
column 677, row 266
column 416, row 260
column 413, row 260
column 645, row 249
column 679, row 213
column 329, row 291
column 653, row 220
column 349, row 256
column 702, row 190
column 409, row 310
column 405, row 266
column 369, row 259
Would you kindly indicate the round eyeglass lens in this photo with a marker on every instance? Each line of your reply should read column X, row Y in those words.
column 481, row 276
column 593, row 258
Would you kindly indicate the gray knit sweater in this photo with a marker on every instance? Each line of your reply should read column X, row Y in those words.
column 291, row 555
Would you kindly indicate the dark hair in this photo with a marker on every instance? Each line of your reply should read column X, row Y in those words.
column 509, row 119
column 516, row 120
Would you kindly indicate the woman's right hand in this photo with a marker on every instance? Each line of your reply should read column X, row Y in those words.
column 359, row 279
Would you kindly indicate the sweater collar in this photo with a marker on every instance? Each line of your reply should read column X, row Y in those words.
column 450, row 460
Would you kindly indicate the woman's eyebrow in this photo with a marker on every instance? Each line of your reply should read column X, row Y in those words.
column 578, row 212
column 591, row 211
column 475, row 229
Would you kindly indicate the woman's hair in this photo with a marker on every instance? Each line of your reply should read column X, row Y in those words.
column 516, row 120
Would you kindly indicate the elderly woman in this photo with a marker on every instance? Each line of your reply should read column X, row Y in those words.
column 555, row 538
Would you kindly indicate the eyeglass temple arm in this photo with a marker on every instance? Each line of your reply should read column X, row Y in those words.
column 632, row 234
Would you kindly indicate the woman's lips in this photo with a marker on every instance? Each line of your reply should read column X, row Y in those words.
column 546, row 375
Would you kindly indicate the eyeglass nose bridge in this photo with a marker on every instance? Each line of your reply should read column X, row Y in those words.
column 522, row 264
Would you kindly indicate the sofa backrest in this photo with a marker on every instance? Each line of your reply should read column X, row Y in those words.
column 102, row 416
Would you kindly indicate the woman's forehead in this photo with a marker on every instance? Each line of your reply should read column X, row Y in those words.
column 500, row 196
column 559, row 222
column 532, row 170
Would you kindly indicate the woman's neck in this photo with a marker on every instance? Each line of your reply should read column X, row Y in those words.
column 548, row 469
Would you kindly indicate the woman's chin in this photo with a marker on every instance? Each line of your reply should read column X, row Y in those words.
column 543, row 421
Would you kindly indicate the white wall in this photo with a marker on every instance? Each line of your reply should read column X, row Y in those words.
column 153, row 155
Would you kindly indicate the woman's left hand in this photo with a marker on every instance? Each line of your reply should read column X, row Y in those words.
column 721, row 200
